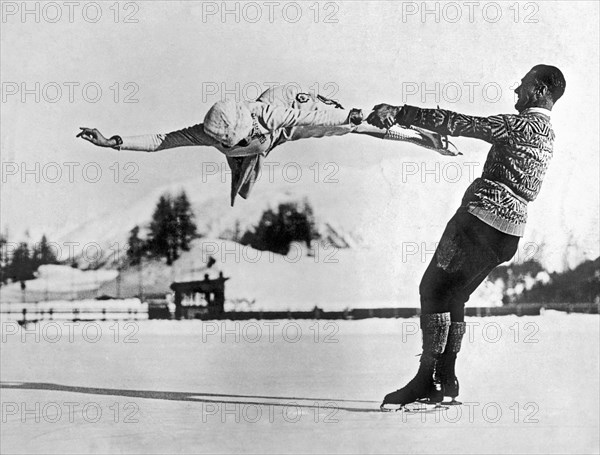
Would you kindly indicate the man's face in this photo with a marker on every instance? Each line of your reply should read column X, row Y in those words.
column 526, row 92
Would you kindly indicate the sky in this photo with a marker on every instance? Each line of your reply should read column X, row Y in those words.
column 131, row 68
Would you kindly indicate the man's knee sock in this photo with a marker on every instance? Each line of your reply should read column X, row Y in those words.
column 448, row 360
column 455, row 335
column 435, row 327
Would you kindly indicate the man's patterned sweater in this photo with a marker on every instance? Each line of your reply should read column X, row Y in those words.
column 515, row 166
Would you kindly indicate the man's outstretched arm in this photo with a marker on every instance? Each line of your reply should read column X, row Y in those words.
column 192, row 136
column 490, row 129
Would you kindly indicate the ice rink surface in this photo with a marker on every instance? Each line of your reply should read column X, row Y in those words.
column 529, row 385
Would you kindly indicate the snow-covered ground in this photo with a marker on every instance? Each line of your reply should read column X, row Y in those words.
column 529, row 385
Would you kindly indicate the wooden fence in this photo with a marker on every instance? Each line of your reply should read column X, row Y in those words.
column 33, row 315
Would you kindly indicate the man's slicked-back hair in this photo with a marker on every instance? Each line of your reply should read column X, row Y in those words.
column 552, row 78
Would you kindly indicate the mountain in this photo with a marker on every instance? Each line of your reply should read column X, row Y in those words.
column 381, row 224
column 388, row 205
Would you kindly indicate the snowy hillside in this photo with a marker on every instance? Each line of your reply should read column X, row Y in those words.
column 371, row 207
column 375, row 247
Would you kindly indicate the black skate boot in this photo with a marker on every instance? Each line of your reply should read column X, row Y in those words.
column 446, row 367
column 426, row 384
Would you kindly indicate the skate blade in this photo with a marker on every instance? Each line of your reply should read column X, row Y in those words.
column 413, row 408
column 449, row 402
column 419, row 407
column 387, row 407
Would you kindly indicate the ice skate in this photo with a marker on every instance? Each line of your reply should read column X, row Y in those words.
column 426, row 385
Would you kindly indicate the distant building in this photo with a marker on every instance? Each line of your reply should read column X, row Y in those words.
column 203, row 299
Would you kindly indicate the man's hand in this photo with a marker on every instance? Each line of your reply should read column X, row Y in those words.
column 383, row 116
column 95, row 137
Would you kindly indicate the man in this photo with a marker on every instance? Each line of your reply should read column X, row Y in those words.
column 246, row 132
column 485, row 230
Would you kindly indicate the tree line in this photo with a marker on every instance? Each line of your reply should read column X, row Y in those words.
column 21, row 263
column 276, row 230
column 170, row 231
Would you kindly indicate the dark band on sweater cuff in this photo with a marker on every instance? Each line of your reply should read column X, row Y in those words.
column 356, row 116
column 407, row 115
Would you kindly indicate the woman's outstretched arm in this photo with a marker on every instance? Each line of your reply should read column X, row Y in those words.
column 192, row 136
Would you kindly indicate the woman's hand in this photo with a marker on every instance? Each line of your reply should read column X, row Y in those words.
column 95, row 137
column 355, row 117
